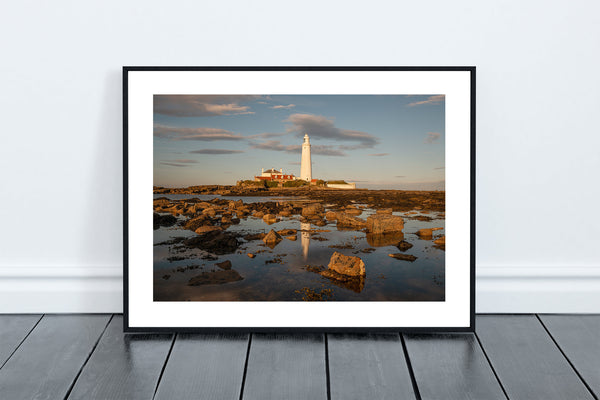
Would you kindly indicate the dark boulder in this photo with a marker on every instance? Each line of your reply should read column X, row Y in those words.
column 216, row 242
column 224, row 265
column 403, row 257
column 163, row 220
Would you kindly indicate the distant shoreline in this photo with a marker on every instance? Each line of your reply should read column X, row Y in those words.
column 399, row 200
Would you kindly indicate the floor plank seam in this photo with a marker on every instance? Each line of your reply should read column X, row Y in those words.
column 162, row 371
column 413, row 379
column 21, row 342
column 246, row 366
column 327, row 375
column 566, row 358
column 491, row 366
column 87, row 358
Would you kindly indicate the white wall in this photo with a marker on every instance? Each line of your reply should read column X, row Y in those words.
column 538, row 148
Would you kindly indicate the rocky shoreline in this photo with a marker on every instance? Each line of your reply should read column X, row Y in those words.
column 210, row 220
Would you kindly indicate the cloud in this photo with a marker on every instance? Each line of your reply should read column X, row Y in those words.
column 275, row 145
column 400, row 176
column 266, row 135
column 379, row 154
column 282, row 107
column 201, row 105
column 432, row 137
column 437, row 99
column 174, row 164
column 203, row 134
column 216, row 151
column 440, row 168
column 182, row 161
column 323, row 127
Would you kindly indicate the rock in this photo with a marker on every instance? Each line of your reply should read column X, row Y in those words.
column 254, row 236
column 195, row 223
column 347, row 221
column 331, row 215
column 425, row 233
column 167, row 276
column 226, row 220
column 285, row 213
column 351, row 210
column 404, row 245
column 320, row 222
column 203, row 205
column 163, row 220
column 385, row 211
column 216, row 242
column 403, row 257
column 235, row 204
column 235, row 221
column 292, row 238
column 286, row 232
column 211, row 212
column 161, row 201
column 215, row 278
column 272, row 237
column 354, row 283
column 224, row 265
column 258, row 214
column 270, row 218
column 347, row 265
column 384, row 239
column 204, row 229
column 440, row 243
column 384, row 223
column 251, row 255
column 423, row 218
column 312, row 209
column 190, row 209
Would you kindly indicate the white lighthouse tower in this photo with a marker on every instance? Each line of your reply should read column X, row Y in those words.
column 305, row 164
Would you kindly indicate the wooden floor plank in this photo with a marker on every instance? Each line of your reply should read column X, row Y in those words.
column 526, row 360
column 13, row 329
column 286, row 366
column 579, row 338
column 123, row 366
column 205, row 367
column 451, row 366
column 368, row 366
column 46, row 364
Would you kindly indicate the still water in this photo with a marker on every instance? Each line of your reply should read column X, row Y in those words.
column 280, row 274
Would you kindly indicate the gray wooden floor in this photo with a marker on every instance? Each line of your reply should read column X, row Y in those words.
column 510, row 356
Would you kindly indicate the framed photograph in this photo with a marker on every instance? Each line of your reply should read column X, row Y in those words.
column 299, row 198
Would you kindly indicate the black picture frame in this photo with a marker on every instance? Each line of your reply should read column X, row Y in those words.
column 128, row 328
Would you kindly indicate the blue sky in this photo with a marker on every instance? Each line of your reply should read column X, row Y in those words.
column 377, row 141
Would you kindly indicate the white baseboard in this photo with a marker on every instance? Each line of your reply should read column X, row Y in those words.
column 508, row 289
column 48, row 289
column 538, row 289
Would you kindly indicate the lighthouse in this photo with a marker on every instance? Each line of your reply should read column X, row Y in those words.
column 305, row 164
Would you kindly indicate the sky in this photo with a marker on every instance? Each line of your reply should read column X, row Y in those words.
column 377, row 141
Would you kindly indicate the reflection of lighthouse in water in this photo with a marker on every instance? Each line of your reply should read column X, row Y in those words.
column 305, row 238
